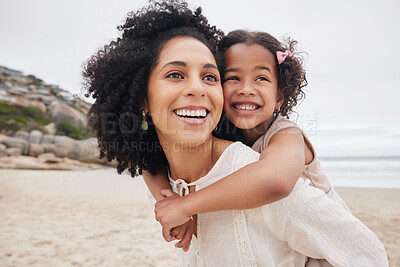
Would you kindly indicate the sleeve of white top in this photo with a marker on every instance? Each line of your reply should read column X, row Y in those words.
column 318, row 227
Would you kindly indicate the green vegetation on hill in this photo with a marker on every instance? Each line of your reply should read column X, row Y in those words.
column 64, row 128
column 16, row 117
column 35, row 81
column 52, row 91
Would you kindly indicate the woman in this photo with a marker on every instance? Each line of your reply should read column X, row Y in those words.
column 158, row 99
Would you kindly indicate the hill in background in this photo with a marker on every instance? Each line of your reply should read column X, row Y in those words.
column 28, row 103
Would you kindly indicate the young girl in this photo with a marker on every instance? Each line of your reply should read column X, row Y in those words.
column 262, row 84
column 163, row 67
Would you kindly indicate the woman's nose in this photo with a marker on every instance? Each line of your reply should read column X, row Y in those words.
column 195, row 87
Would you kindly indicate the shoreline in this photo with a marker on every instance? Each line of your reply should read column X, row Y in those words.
column 100, row 218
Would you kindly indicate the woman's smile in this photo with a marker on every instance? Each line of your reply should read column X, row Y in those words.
column 192, row 115
column 185, row 97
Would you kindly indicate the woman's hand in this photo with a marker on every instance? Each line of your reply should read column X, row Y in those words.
column 169, row 213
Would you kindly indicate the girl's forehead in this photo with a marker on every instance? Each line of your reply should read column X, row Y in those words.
column 241, row 51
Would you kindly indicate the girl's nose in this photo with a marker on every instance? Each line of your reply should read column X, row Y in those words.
column 246, row 90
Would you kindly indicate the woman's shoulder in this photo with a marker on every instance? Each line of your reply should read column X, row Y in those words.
column 222, row 146
column 241, row 155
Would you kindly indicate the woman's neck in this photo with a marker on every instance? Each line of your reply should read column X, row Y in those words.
column 190, row 163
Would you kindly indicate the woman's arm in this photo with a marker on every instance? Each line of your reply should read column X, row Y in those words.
column 156, row 183
column 159, row 182
column 265, row 181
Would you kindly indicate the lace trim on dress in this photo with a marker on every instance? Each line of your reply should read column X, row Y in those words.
column 245, row 251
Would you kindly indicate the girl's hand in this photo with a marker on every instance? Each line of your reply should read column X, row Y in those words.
column 169, row 213
column 183, row 232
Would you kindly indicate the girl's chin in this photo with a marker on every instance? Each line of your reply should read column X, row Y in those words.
column 244, row 125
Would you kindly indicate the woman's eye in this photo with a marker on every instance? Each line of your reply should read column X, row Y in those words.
column 175, row 75
column 210, row 78
column 262, row 79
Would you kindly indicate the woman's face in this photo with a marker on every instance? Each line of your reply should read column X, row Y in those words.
column 185, row 96
column 250, row 87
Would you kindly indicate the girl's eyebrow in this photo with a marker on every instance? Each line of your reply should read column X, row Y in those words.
column 231, row 70
column 264, row 68
column 257, row 67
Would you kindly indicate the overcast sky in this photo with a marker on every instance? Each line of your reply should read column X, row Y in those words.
column 353, row 55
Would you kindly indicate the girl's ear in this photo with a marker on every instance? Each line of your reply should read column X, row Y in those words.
column 279, row 101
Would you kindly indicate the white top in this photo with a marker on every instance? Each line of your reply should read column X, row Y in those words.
column 307, row 223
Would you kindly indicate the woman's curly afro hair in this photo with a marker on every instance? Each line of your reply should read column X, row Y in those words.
column 117, row 76
column 291, row 74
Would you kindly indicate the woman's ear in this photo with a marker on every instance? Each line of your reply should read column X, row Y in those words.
column 145, row 107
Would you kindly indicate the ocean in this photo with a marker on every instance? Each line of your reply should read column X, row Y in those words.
column 372, row 172
column 358, row 153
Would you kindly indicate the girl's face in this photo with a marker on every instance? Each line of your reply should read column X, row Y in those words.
column 250, row 87
column 184, row 95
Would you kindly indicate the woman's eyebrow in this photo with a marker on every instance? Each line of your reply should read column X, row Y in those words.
column 176, row 63
column 209, row 66
column 183, row 64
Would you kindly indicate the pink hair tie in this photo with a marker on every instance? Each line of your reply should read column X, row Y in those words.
column 281, row 56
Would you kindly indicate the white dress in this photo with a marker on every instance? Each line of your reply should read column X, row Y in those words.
column 307, row 223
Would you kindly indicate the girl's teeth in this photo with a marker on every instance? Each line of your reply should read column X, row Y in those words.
column 246, row 107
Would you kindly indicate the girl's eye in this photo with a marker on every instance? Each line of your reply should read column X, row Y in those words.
column 175, row 75
column 210, row 78
column 233, row 78
column 262, row 79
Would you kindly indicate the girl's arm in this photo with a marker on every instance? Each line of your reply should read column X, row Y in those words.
column 265, row 181
column 156, row 183
column 271, row 178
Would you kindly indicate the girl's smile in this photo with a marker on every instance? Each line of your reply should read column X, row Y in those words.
column 245, row 108
column 250, row 87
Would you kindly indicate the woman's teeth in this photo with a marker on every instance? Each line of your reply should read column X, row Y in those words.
column 245, row 106
column 200, row 113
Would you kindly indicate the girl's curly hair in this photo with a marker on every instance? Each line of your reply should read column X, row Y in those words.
column 291, row 74
column 117, row 77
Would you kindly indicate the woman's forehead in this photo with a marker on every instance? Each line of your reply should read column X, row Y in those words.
column 186, row 49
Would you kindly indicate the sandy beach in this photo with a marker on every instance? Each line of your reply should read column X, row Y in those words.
column 99, row 218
